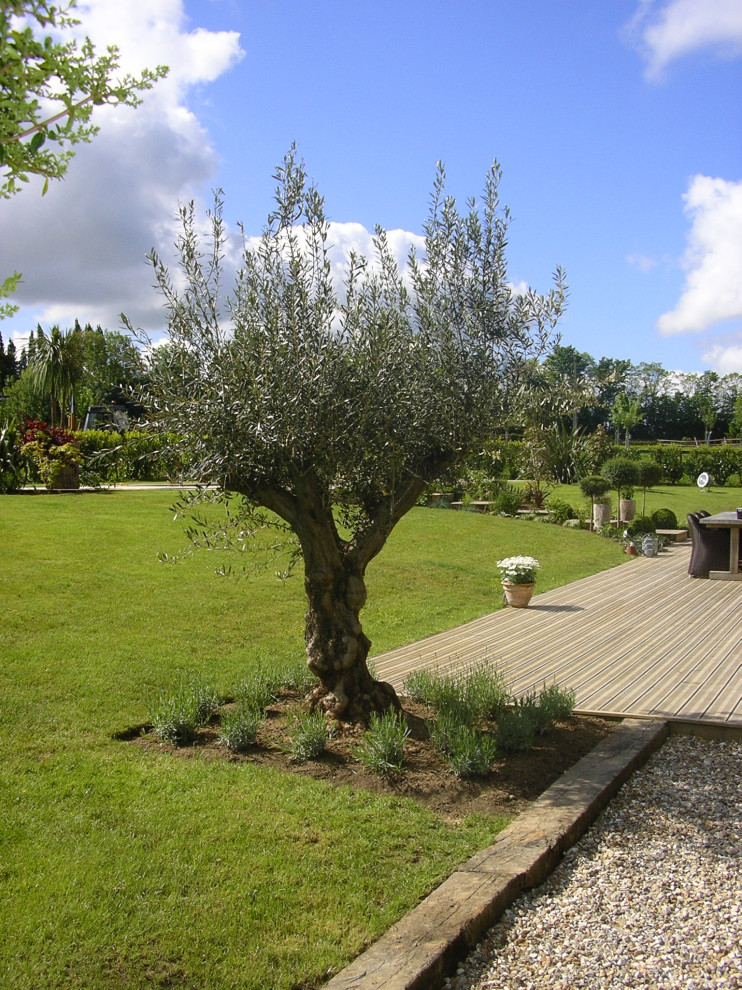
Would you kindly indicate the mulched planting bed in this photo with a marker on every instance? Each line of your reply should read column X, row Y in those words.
column 515, row 780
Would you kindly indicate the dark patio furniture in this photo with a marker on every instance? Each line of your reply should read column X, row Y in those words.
column 709, row 547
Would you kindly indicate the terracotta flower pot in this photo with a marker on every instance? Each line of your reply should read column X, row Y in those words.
column 518, row 595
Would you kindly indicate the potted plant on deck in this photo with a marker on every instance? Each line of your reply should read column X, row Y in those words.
column 518, row 577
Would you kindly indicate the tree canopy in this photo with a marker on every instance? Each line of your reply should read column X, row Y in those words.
column 336, row 409
column 49, row 90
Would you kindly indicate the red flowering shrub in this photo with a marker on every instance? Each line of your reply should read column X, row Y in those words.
column 49, row 436
column 51, row 450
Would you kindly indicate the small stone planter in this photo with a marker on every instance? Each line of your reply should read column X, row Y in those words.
column 601, row 515
column 627, row 509
column 518, row 595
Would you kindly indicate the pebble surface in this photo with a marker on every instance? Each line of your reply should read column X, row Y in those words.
column 650, row 898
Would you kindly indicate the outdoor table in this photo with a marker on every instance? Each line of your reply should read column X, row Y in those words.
column 730, row 521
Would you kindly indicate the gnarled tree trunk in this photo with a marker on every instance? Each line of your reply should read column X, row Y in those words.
column 337, row 648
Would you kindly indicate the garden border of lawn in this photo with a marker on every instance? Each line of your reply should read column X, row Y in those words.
column 421, row 949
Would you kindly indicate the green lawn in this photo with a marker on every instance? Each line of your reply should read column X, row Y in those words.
column 124, row 869
column 682, row 499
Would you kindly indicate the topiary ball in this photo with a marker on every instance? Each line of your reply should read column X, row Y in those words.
column 664, row 519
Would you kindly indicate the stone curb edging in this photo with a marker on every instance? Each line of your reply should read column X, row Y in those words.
column 423, row 947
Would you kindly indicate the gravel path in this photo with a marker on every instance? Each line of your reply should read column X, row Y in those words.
column 650, row 897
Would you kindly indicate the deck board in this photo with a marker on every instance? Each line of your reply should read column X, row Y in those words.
column 639, row 639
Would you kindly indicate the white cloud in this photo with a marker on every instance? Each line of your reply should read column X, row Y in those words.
column 665, row 31
column 725, row 357
column 643, row 262
column 81, row 248
column 346, row 237
column 713, row 286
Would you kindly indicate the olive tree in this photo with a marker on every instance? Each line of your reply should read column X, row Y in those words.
column 49, row 89
column 335, row 409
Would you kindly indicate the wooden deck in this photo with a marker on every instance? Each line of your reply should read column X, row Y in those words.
column 641, row 639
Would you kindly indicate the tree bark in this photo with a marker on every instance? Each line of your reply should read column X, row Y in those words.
column 334, row 579
column 337, row 648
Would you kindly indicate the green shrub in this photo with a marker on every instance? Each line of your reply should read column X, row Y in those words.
column 240, row 727
column 599, row 446
column 442, row 692
column 516, row 730
column 557, row 702
column 507, row 501
column 642, row 524
column 480, row 484
column 13, row 465
column 485, row 692
column 664, row 519
column 594, row 486
column 132, row 455
column 622, row 473
column 560, row 511
column 383, row 744
column 500, row 459
column 420, row 686
column 670, row 459
column 102, row 455
column 298, row 677
column 176, row 715
column 308, row 734
column 540, row 715
column 650, row 474
column 478, row 694
column 468, row 752
column 720, row 462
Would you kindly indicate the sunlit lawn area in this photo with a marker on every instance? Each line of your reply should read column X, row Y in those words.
column 123, row 869
column 682, row 499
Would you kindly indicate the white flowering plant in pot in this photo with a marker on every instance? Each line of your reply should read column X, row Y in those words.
column 518, row 570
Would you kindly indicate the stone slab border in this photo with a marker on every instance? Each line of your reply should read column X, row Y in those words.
column 421, row 949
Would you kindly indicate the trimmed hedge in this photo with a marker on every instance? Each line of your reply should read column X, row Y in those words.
column 133, row 456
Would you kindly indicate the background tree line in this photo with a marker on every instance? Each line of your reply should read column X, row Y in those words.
column 62, row 372
column 645, row 399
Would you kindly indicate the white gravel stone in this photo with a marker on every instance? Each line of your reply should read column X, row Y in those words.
column 649, row 898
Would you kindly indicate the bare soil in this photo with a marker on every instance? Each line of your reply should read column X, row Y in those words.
column 515, row 780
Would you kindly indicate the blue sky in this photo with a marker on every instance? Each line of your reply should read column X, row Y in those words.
column 618, row 125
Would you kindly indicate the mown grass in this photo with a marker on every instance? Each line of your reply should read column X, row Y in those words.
column 682, row 499
column 123, row 869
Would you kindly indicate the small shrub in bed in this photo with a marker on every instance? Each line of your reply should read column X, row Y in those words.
column 383, row 744
column 641, row 524
column 485, row 691
column 468, row 752
column 516, row 730
column 308, row 734
column 176, row 715
column 557, row 703
column 240, row 727
column 478, row 694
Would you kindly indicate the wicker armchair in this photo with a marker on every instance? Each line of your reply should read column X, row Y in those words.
column 709, row 547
